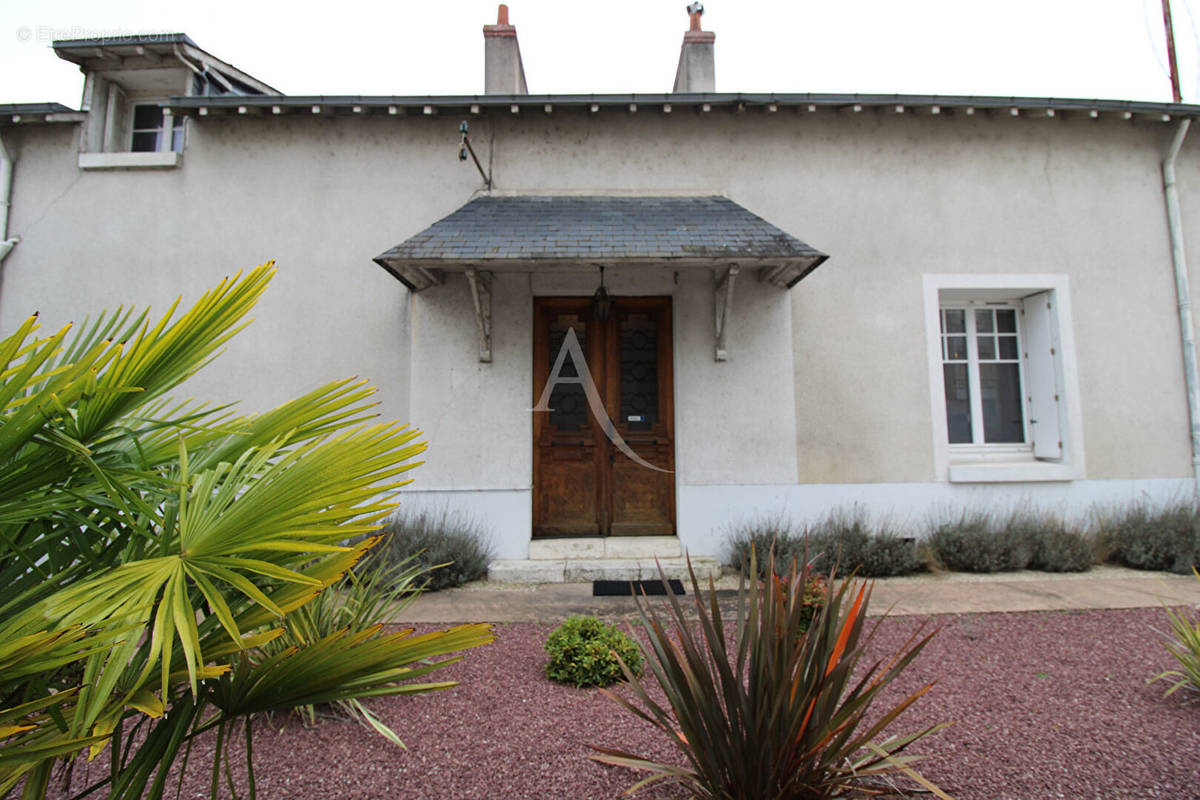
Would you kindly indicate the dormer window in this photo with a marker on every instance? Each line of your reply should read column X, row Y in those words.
column 129, row 82
column 148, row 133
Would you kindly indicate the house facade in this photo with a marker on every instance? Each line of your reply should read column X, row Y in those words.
column 911, row 304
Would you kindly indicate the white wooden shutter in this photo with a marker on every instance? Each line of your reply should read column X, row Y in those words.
column 1040, row 343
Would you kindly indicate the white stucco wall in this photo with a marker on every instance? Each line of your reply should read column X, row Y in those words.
column 844, row 401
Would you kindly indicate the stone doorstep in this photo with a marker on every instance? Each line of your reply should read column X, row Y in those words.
column 585, row 570
column 610, row 547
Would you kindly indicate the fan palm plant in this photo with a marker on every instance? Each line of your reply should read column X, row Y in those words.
column 150, row 548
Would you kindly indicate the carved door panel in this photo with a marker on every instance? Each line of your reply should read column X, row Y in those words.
column 583, row 484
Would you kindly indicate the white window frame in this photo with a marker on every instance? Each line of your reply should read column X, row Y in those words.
column 985, row 463
column 978, row 445
column 107, row 138
column 165, row 131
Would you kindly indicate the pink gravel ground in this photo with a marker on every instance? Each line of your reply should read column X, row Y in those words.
column 1045, row 705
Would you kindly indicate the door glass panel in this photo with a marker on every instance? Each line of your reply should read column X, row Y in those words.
column 639, row 372
column 568, row 403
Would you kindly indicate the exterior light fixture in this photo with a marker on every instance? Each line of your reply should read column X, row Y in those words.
column 601, row 302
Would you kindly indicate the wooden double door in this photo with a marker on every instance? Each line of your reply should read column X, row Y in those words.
column 583, row 484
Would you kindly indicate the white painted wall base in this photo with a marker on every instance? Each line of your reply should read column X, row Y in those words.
column 505, row 515
column 707, row 514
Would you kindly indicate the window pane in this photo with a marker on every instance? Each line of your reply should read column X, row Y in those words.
column 1000, row 393
column 954, row 320
column 958, row 403
column 956, row 348
column 1006, row 320
column 987, row 347
column 983, row 320
column 639, row 372
column 147, row 117
column 145, row 142
column 1008, row 347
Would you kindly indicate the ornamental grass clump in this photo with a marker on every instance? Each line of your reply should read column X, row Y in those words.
column 587, row 652
column 1183, row 643
column 760, row 709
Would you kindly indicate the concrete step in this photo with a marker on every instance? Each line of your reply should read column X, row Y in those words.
column 594, row 547
column 585, row 570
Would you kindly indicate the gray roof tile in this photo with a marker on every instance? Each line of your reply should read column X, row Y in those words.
column 549, row 227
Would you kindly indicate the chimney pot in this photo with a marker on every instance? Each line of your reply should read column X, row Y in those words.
column 502, row 15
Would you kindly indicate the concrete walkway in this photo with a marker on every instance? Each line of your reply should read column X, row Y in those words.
column 952, row 593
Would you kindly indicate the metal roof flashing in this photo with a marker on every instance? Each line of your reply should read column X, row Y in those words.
column 666, row 103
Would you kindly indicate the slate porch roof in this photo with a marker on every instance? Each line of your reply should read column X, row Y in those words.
column 531, row 232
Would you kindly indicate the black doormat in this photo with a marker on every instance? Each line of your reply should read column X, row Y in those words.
column 627, row 588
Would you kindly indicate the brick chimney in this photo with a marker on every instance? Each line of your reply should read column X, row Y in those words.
column 503, row 72
column 696, row 71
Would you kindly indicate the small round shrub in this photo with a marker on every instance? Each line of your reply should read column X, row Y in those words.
column 889, row 554
column 449, row 544
column 844, row 537
column 760, row 537
column 973, row 544
column 583, row 651
column 1158, row 539
column 1057, row 548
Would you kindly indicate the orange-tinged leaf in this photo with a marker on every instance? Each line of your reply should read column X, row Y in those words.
column 847, row 627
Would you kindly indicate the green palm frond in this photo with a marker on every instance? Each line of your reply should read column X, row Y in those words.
column 151, row 549
column 342, row 666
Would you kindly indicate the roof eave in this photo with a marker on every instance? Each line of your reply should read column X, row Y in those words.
column 421, row 273
column 429, row 104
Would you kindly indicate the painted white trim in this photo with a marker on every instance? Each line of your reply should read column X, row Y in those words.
column 939, row 288
column 153, row 160
column 1009, row 472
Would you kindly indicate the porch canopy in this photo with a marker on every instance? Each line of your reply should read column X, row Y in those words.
column 570, row 233
column 555, row 233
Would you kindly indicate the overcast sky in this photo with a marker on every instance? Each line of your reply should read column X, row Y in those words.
column 1112, row 49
